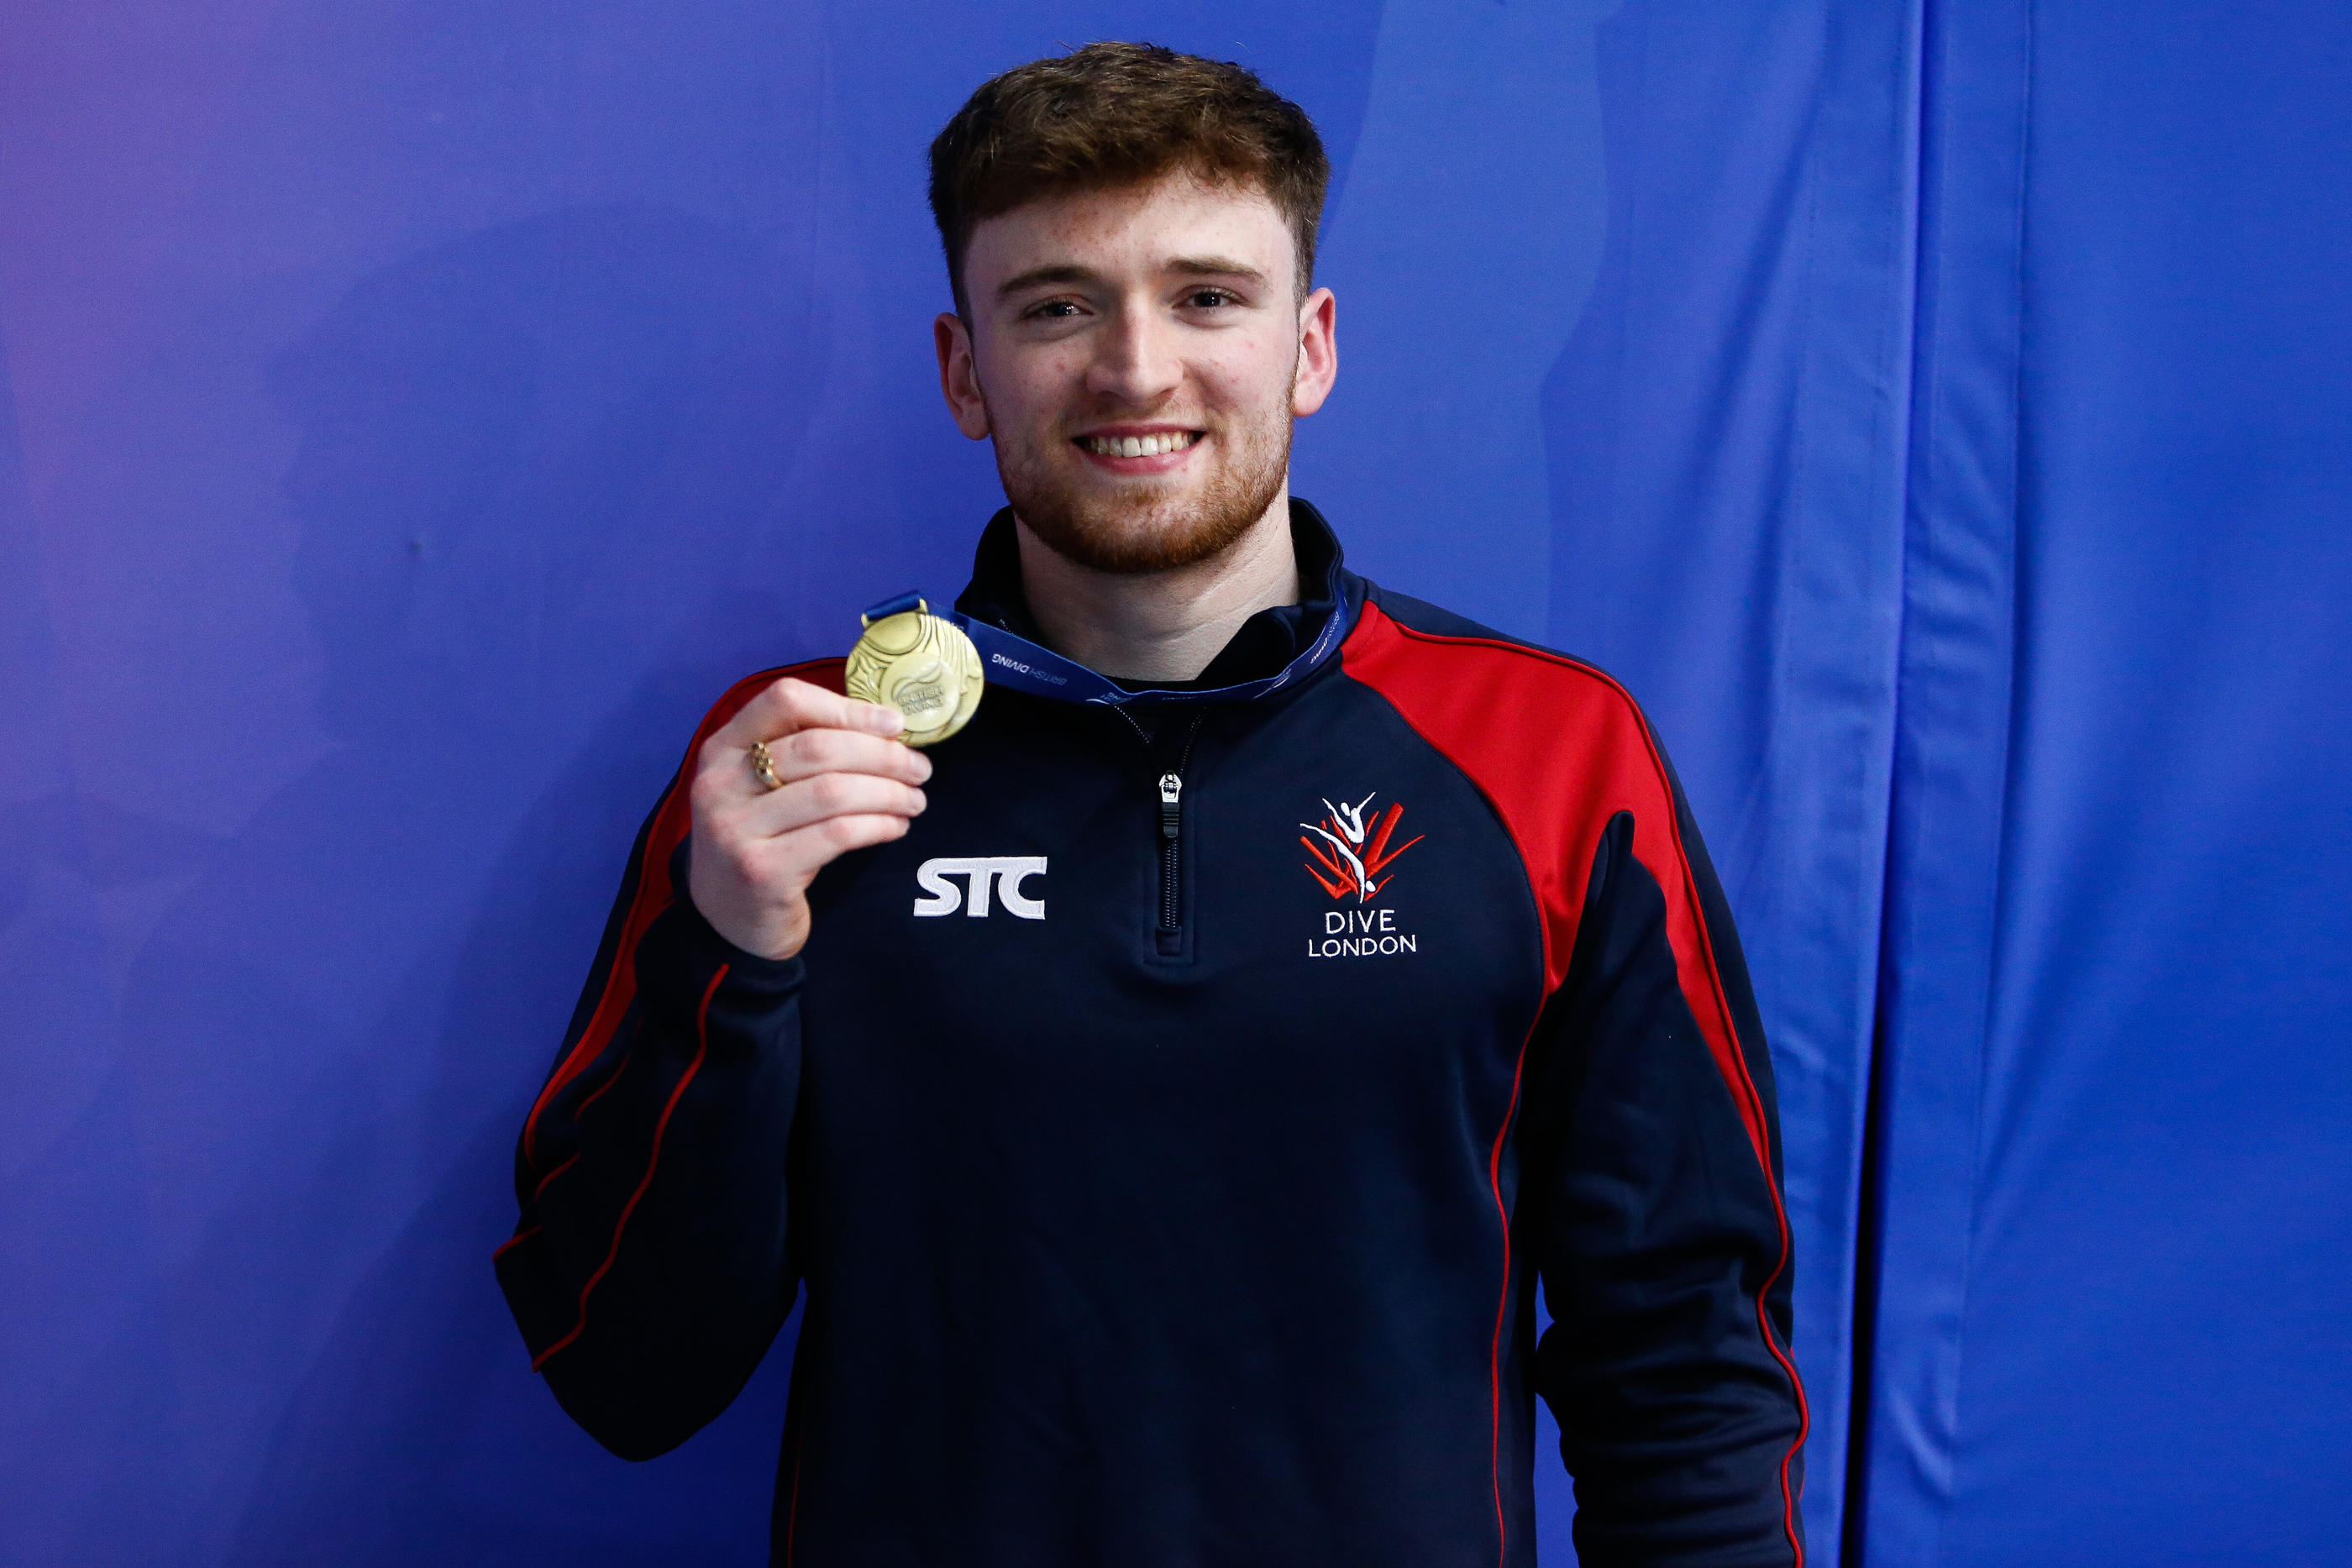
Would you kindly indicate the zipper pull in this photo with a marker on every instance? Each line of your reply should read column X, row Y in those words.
column 1170, row 788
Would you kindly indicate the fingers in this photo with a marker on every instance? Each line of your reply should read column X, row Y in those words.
column 790, row 705
column 735, row 812
column 839, row 835
column 768, row 873
column 826, row 796
column 808, row 731
column 844, row 783
column 806, row 753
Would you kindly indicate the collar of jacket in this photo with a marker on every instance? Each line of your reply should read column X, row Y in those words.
column 1288, row 640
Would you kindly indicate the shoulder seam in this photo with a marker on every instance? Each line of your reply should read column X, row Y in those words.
column 1567, row 662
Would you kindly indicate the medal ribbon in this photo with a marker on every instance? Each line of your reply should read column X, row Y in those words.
column 1009, row 660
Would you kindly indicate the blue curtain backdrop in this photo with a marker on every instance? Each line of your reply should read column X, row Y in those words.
column 418, row 410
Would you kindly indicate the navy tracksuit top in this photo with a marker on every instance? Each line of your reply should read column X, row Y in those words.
column 1171, row 1187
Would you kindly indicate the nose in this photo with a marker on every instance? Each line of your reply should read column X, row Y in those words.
column 1136, row 363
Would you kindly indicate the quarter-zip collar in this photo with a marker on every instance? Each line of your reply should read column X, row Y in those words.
column 1268, row 655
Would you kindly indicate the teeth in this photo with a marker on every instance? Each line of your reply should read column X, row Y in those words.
column 1141, row 446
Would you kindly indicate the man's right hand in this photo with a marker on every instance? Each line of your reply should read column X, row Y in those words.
column 846, row 783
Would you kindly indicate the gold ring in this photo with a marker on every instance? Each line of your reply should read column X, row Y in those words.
column 763, row 766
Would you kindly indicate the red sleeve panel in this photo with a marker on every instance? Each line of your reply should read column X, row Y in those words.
column 1557, row 748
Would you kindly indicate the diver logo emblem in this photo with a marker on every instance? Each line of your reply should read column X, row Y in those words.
column 1351, row 853
column 1348, row 857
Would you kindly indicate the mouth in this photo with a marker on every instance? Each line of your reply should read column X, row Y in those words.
column 1127, row 447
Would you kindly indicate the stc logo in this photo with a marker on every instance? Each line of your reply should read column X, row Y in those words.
column 1005, row 873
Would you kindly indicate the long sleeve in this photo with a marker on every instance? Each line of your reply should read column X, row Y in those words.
column 652, row 1263
column 1652, row 1166
column 1647, row 1167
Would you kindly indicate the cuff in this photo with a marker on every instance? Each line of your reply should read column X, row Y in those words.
column 682, row 952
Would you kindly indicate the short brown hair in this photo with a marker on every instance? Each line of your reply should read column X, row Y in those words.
column 1118, row 114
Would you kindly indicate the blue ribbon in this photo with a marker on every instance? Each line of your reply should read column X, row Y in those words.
column 1016, row 662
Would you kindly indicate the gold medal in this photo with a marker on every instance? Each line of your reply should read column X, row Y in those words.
column 921, row 664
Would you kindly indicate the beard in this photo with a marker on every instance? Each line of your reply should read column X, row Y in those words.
column 1141, row 529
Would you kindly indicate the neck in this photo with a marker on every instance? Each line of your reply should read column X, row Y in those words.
column 1161, row 625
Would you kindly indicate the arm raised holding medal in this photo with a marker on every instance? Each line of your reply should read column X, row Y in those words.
column 684, row 1057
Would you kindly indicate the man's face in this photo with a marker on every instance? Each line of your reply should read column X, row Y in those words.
column 1138, row 356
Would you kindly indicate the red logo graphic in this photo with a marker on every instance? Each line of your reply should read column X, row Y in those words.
column 1345, row 862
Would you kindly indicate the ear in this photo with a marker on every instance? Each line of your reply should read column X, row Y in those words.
column 1318, row 354
column 959, row 378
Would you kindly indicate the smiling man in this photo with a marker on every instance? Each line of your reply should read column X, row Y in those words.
column 1325, row 973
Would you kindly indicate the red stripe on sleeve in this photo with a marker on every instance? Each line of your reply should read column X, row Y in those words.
column 793, row 1513
column 653, row 1163
column 673, row 820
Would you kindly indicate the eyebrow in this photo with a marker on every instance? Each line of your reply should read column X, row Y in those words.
column 1216, row 266
column 1068, row 272
column 1040, row 277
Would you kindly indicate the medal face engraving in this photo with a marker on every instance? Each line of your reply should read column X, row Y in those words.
column 923, row 666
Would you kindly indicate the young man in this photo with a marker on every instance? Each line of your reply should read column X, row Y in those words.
column 1312, row 992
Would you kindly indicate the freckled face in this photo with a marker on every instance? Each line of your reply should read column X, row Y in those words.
column 1138, row 356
